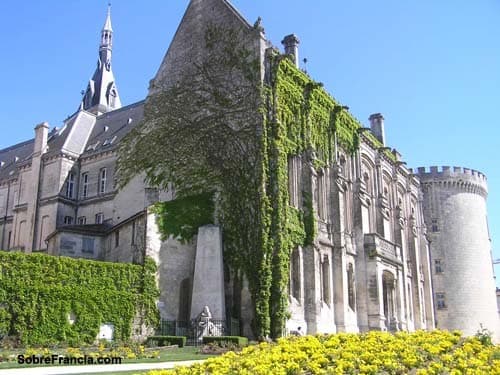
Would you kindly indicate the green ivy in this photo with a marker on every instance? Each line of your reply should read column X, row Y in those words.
column 182, row 217
column 39, row 291
column 302, row 120
column 243, row 142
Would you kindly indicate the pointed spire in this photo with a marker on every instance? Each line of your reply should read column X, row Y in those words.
column 107, row 23
column 107, row 31
column 101, row 94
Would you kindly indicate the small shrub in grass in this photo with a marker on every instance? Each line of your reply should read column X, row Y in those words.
column 166, row 341
column 225, row 340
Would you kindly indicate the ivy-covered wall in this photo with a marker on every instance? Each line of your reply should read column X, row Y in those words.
column 229, row 132
column 38, row 292
column 301, row 119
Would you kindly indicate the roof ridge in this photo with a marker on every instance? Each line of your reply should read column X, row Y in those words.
column 110, row 113
column 10, row 148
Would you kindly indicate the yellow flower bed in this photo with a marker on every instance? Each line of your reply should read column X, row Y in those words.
column 421, row 353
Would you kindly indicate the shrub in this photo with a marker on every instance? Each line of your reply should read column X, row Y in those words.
column 484, row 335
column 39, row 292
column 166, row 341
column 225, row 340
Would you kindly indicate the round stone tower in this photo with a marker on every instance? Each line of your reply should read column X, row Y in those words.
column 454, row 204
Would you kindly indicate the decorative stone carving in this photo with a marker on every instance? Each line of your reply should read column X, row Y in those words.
column 204, row 323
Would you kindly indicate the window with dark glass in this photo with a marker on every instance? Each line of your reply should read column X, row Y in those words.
column 70, row 185
column 88, row 245
column 85, row 185
column 440, row 301
column 434, row 225
column 438, row 266
column 102, row 180
column 99, row 218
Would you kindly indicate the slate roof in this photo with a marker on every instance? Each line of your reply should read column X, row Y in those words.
column 57, row 138
column 111, row 127
column 22, row 151
column 118, row 124
column 93, row 229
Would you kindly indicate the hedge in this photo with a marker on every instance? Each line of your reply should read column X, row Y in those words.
column 224, row 340
column 39, row 293
column 166, row 341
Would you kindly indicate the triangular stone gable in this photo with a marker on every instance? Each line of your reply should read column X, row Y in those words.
column 189, row 39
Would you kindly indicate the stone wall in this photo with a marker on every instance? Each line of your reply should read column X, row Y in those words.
column 456, row 218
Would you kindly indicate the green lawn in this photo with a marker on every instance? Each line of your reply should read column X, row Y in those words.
column 166, row 355
column 114, row 373
column 169, row 355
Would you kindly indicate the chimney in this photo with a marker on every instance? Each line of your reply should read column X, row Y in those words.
column 41, row 134
column 291, row 44
column 377, row 127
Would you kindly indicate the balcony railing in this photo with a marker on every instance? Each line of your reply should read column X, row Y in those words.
column 375, row 245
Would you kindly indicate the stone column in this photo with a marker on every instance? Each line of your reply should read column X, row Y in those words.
column 208, row 279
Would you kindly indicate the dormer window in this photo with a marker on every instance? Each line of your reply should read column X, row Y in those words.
column 109, row 141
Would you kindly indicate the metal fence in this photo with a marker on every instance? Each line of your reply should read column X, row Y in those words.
column 194, row 331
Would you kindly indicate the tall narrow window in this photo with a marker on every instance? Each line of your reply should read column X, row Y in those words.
column 102, row 180
column 322, row 210
column 438, row 266
column 350, row 287
column 70, row 185
column 88, row 245
column 440, row 301
column 117, row 238
column 435, row 227
column 325, row 276
column 82, row 220
column 99, row 218
column 85, row 185
column 68, row 220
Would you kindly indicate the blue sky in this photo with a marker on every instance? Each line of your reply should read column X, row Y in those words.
column 431, row 67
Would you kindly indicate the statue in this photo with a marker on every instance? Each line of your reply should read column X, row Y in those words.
column 204, row 324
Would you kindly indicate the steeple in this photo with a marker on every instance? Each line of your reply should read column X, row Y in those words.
column 101, row 94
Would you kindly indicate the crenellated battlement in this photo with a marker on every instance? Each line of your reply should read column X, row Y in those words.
column 466, row 179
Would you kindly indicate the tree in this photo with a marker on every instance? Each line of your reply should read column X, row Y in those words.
column 205, row 134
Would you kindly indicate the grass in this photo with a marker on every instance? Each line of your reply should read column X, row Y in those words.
column 166, row 355
column 186, row 353
column 114, row 373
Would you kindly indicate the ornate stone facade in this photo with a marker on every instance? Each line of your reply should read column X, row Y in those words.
column 374, row 263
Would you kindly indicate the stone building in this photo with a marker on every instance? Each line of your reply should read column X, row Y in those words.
column 454, row 208
column 395, row 250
